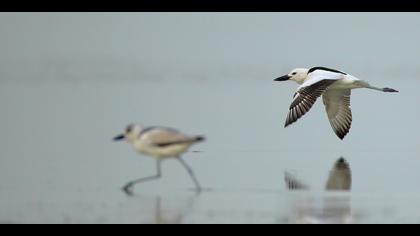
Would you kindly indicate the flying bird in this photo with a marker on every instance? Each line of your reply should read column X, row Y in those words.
column 159, row 143
column 334, row 86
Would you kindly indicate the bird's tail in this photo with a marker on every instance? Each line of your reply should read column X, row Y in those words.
column 199, row 138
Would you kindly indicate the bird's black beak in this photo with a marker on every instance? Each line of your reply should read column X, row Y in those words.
column 283, row 78
column 119, row 137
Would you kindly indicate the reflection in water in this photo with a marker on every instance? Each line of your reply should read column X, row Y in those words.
column 333, row 209
column 292, row 183
column 339, row 178
column 172, row 215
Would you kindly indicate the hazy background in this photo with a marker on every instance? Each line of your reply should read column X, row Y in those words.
column 71, row 81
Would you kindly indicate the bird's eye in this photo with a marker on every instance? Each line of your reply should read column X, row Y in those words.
column 294, row 73
column 129, row 128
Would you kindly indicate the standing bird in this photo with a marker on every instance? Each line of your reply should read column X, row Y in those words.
column 160, row 143
column 334, row 86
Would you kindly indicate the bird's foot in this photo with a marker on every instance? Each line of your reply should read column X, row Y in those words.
column 128, row 189
column 390, row 90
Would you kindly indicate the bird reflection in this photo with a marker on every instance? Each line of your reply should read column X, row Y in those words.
column 172, row 215
column 334, row 208
column 292, row 183
column 339, row 178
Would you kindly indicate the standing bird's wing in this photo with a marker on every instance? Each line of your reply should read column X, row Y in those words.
column 162, row 137
column 337, row 105
column 306, row 97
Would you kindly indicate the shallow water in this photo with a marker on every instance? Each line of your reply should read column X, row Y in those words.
column 59, row 164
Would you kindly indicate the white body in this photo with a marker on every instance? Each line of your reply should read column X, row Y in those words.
column 343, row 81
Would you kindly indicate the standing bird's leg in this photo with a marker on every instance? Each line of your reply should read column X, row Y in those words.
column 191, row 173
column 128, row 187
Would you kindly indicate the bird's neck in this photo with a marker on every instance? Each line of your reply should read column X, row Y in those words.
column 300, row 81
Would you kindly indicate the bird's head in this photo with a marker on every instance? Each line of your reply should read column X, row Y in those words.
column 130, row 134
column 298, row 75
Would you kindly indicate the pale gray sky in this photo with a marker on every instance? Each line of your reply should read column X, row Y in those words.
column 205, row 45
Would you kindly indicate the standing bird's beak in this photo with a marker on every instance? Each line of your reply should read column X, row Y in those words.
column 119, row 137
column 283, row 78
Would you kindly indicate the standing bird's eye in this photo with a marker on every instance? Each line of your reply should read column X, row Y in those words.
column 129, row 129
column 294, row 73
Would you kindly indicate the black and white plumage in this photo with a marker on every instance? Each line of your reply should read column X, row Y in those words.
column 304, row 99
column 335, row 88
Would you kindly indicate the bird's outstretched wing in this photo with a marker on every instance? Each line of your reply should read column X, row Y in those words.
column 337, row 105
column 305, row 98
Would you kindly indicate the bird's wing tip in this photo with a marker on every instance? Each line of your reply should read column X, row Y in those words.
column 342, row 136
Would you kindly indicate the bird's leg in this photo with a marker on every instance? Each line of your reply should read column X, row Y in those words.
column 128, row 187
column 191, row 173
column 387, row 90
